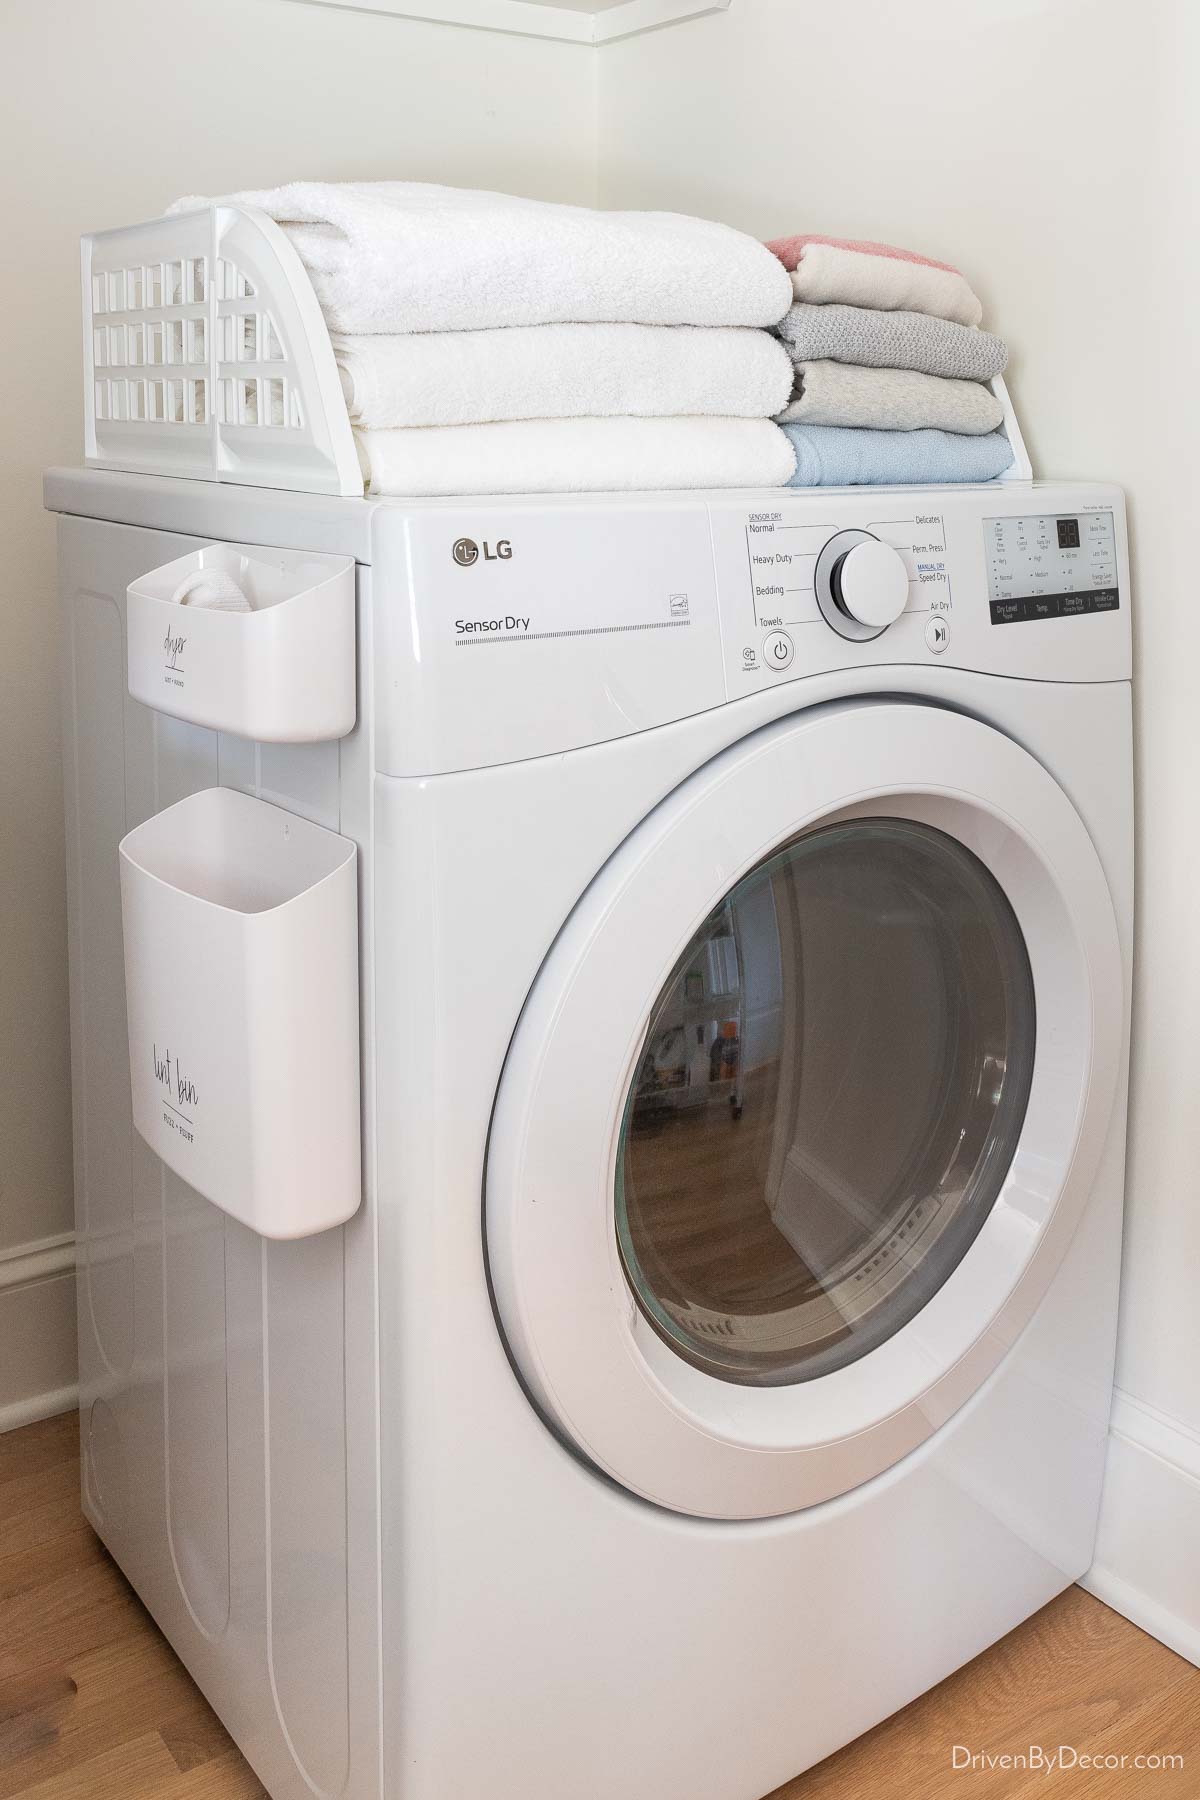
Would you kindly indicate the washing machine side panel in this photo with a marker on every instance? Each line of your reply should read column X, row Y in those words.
column 109, row 766
column 227, row 1384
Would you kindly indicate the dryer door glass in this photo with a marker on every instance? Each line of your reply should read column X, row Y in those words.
column 827, row 1102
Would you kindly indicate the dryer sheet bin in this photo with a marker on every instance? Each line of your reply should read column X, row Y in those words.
column 241, row 973
column 281, row 673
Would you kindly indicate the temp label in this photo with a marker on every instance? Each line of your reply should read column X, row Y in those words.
column 1051, row 566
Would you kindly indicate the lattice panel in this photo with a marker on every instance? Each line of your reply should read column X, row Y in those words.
column 213, row 363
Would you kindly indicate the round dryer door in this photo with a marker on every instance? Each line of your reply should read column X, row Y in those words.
column 804, row 1107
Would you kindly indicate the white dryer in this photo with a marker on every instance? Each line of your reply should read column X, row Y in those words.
column 722, row 1352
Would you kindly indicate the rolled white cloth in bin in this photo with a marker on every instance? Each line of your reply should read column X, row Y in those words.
column 576, row 456
column 214, row 589
column 562, row 372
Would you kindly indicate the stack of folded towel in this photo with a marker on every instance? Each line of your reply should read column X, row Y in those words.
column 489, row 344
column 890, row 368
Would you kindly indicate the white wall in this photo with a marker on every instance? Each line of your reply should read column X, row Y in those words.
column 1049, row 148
column 109, row 112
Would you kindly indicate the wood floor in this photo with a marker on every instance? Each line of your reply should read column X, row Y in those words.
column 94, row 1706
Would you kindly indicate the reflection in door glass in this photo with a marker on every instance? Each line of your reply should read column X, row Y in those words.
column 826, row 1103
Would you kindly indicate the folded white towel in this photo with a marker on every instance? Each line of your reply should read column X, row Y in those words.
column 389, row 256
column 562, row 372
column 832, row 273
column 576, row 456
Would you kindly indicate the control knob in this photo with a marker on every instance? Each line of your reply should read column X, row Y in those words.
column 861, row 584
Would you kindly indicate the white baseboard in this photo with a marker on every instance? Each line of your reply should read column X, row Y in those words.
column 39, row 1406
column 21, row 1264
column 1147, row 1563
column 38, row 1370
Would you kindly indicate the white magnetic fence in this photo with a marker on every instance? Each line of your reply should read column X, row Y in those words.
column 206, row 355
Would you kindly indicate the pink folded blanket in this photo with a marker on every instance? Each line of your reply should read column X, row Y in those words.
column 849, row 272
column 789, row 250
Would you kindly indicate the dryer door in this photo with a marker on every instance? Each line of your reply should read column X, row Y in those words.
column 804, row 1107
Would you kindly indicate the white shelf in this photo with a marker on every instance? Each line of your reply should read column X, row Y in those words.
column 572, row 21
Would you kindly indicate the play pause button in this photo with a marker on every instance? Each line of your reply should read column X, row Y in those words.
column 937, row 635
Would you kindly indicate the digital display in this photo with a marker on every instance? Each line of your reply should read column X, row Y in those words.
column 1043, row 567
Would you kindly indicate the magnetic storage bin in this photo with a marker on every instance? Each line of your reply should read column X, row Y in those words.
column 241, row 972
column 281, row 673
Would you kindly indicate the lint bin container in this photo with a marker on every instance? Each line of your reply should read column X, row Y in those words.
column 241, row 973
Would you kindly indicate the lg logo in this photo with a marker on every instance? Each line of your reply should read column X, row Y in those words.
column 466, row 552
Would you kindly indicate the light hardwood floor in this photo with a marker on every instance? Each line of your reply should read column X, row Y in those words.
column 94, row 1705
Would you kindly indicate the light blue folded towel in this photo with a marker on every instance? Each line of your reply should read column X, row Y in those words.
column 853, row 456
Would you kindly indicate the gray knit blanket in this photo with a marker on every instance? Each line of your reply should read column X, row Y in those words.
column 892, row 340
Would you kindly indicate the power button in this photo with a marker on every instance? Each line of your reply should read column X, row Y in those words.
column 778, row 650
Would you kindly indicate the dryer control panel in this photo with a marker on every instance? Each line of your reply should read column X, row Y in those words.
column 1051, row 566
column 793, row 553
column 515, row 628
column 814, row 581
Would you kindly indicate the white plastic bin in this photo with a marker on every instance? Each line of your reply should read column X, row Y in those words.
column 282, row 673
column 241, row 973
